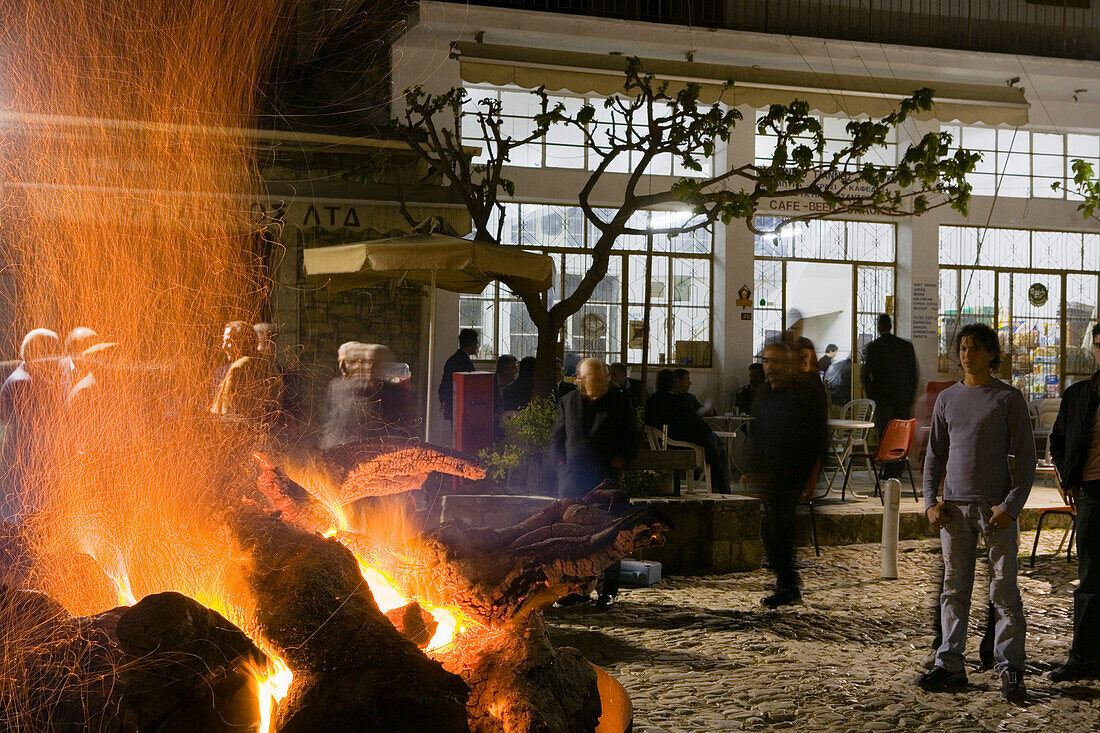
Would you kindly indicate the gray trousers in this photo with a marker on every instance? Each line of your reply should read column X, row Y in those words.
column 960, row 544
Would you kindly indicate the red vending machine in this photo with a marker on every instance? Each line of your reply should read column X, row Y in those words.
column 473, row 411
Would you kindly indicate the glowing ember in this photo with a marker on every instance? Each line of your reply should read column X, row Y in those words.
column 388, row 597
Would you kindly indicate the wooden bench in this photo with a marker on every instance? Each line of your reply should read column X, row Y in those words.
column 674, row 459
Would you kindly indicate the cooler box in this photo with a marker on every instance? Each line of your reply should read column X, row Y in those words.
column 639, row 572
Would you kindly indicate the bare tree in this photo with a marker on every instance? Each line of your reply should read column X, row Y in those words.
column 651, row 121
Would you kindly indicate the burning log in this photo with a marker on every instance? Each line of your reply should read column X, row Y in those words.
column 502, row 576
column 352, row 669
column 168, row 663
column 391, row 466
column 520, row 682
column 188, row 668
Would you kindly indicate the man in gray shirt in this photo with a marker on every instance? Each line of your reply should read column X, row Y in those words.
column 976, row 424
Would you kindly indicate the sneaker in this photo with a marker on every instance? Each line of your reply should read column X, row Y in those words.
column 1070, row 671
column 1012, row 685
column 605, row 601
column 939, row 679
column 792, row 597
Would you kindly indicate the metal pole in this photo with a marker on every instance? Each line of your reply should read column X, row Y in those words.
column 431, row 363
column 891, row 506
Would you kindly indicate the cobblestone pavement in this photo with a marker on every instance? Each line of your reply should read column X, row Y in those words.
column 701, row 654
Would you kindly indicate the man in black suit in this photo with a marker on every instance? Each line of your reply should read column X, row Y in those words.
column 594, row 439
column 460, row 361
column 561, row 387
column 889, row 375
column 890, row 378
column 621, row 380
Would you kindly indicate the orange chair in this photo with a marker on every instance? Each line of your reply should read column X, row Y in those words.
column 1069, row 510
column 894, row 447
column 808, row 499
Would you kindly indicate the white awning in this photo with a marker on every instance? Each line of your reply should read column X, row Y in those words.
column 602, row 74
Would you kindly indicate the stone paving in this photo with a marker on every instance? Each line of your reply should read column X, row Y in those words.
column 701, row 654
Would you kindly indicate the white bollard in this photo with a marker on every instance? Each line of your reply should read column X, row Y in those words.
column 891, row 497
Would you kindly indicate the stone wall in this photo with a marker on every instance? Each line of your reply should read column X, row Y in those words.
column 711, row 534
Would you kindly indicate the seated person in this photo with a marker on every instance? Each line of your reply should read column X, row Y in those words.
column 746, row 395
column 683, row 386
column 517, row 394
column 667, row 407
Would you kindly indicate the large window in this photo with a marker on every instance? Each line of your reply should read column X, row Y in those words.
column 1039, row 290
column 563, row 146
column 1021, row 163
column 829, row 279
column 609, row 325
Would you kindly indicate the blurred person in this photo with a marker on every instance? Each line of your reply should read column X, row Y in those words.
column 668, row 407
column 363, row 403
column 806, row 355
column 31, row 401
column 620, row 379
column 561, row 387
column 266, row 345
column 518, row 393
column 976, row 424
column 745, row 395
column 826, row 361
column 249, row 388
column 1075, row 450
column 788, row 437
column 468, row 344
column 595, row 438
column 79, row 339
column 683, row 386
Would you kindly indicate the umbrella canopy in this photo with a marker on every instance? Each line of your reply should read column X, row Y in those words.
column 458, row 265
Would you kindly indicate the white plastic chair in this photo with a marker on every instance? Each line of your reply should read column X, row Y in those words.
column 864, row 411
column 659, row 440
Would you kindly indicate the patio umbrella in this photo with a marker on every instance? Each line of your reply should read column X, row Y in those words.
column 440, row 261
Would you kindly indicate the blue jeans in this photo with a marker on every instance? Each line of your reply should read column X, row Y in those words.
column 960, row 544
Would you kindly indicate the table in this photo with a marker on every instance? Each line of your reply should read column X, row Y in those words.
column 730, row 424
column 852, row 427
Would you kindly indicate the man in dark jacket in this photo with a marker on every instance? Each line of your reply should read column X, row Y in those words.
column 620, row 379
column 460, row 361
column 889, row 375
column 788, row 438
column 1075, row 449
column 594, row 439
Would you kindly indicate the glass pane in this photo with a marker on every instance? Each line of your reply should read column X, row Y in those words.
column 778, row 244
column 979, row 138
column 1048, row 165
column 1080, row 316
column 690, row 281
column 1043, row 187
column 958, row 245
column 1056, row 250
column 476, row 312
column 1047, row 143
column 768, row 328
column 870, row 242
column 658, row 335
column 818, row 240
column 1035, row 331
column 1091, row 251
column 1004, row 247
column 768, row 291
column 949, row 308
column 690, row 328
column 1083, row 146
column 875, row 284
column 518, row 334
column 657, row 278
